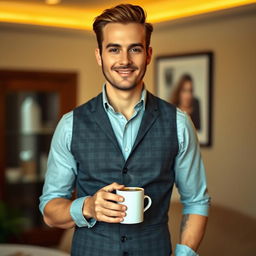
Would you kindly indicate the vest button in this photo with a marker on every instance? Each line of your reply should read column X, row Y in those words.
column 125, row 254
column 125, row 170
column 123, row 238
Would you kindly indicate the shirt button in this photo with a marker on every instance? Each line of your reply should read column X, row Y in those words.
column 123, row 238
column 126, row 149
column 125, row 170
column 125, row 254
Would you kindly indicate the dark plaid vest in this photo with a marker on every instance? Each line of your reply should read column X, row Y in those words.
column 149, row 165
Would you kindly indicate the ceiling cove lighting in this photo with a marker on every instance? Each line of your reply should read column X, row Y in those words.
column 52, row 2
column 75, row 18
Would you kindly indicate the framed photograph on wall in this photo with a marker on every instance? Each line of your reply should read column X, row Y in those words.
column 185, row 80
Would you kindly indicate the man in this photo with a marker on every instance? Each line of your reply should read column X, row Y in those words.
column 125, row 137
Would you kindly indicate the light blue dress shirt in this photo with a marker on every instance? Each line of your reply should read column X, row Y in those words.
column 189, row 169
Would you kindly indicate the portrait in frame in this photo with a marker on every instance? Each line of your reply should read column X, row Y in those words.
column 185, row 80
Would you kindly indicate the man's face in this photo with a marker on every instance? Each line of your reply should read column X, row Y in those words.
column 124, row 58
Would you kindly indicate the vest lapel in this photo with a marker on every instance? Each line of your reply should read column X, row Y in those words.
column 101, row 118
column 150, row 115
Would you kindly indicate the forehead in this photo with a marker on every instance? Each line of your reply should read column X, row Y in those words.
column 187, row 85
column 123, row 33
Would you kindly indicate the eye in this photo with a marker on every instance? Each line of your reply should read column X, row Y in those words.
column 114, row 50
column 136, row 49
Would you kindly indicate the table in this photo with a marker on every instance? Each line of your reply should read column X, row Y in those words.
column 28, row 250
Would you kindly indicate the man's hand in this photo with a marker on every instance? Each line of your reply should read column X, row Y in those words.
column 100, row 207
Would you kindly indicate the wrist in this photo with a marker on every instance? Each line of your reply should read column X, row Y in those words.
column 86, row 208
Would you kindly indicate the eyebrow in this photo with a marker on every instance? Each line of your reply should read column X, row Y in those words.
column 119, row 46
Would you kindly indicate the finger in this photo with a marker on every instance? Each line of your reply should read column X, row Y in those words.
column 112, row 187
column 112, row 197
column 112, row 213
column 114, row 206
column 110, row 219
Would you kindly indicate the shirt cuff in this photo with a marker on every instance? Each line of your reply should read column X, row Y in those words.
column 183, row 250
column 76, row 212
column 196, row 209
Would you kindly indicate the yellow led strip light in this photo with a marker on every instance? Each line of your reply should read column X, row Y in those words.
column 74, row 18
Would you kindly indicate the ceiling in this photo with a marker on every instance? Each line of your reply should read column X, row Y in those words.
column 79, row 14
column 78, row 3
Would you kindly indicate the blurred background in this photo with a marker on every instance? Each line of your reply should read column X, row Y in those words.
column 47, row 67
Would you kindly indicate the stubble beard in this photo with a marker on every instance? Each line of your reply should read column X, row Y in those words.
column 118, row 87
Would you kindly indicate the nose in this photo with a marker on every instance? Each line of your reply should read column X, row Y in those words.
column 124, row 58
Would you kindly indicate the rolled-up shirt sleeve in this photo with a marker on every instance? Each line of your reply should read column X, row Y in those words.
column 190, row 177
column 61, row 172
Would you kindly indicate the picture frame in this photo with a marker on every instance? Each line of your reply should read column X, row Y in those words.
column 186, row 80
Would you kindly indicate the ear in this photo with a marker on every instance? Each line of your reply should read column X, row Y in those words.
column 149, row 55
column 98, row 56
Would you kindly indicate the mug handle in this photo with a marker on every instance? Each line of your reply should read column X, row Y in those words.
column 149, row 203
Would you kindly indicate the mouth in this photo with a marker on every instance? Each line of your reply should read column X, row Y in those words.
column 125, row 72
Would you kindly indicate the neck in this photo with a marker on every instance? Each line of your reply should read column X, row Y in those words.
column 187, row 109
column 124, row 101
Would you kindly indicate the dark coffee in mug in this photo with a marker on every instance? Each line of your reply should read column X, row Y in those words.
column 130, row 189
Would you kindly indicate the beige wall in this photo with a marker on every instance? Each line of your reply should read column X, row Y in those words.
column 50, row 49
column 230, row 163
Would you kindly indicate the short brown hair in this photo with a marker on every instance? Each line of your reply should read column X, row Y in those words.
column 175, row 98
column 123, row 13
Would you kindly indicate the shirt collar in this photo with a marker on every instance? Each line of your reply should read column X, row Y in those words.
column 141, row 103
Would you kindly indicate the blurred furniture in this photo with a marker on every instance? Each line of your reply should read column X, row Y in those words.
column 31, row 104
column 28, row 250
column 228, row 232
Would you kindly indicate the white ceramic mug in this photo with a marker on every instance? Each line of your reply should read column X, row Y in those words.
column 134, row 200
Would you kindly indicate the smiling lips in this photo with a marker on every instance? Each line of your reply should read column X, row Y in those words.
column 124, row 72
